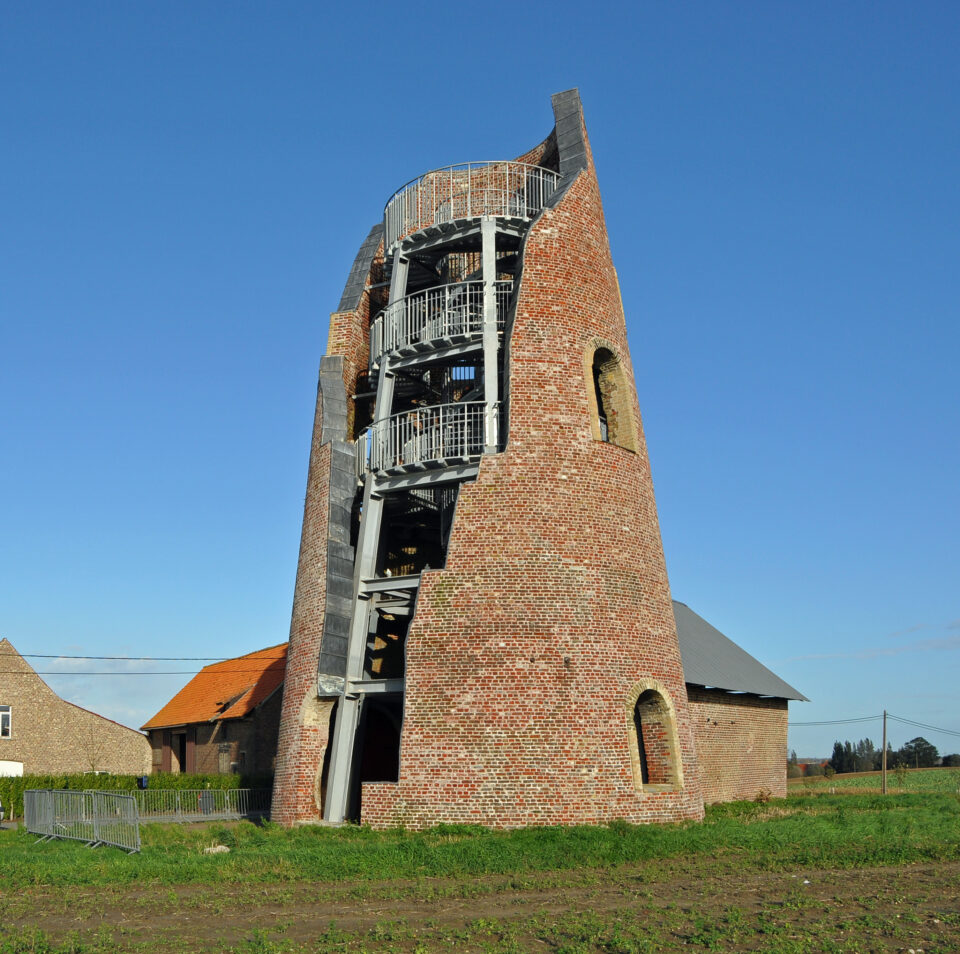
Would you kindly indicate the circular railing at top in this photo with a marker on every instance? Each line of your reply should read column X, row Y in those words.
column 427, row 319
column 428, row 436
column 465, row 191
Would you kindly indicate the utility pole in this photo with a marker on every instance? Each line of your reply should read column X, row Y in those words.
column 883, row 763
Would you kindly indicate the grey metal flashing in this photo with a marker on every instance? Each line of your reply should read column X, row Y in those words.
column 712, row 660
column 333, row 396
column 340, row 556
column 571, row 146
column 357, row 279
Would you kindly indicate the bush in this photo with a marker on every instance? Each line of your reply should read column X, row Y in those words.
column 12, row 789
column 829, row 771
column 794, row 770
column 814, row 768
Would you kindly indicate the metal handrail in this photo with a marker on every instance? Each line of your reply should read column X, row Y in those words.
column 434, row 315
column 465, row 191
column 428, row 435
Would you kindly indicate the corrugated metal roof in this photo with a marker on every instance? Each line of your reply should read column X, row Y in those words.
column 711, row 659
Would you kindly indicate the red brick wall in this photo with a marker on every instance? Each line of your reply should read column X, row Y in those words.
column 525, row 652
column 304, row 721
column 741, row 744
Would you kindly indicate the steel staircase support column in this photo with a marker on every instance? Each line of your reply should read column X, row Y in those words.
column 345, row 727
column 348, row 713
column 491, row 384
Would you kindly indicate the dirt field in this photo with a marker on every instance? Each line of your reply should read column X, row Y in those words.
column 692, row 905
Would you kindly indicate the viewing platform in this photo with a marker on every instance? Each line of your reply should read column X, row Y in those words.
column 444, row 197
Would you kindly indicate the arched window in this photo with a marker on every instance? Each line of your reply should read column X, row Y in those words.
column 654, row 746
column 610, row 398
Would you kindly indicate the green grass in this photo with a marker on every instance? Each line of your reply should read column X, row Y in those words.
column 838, row 831
column 946, row 780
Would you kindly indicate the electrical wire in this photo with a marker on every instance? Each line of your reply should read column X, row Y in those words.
column 840, row 721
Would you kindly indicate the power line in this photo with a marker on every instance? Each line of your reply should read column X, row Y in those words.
column 890, row 715
column 923, row 725
column 127, row 672
column 841, row 721
column 120, row 658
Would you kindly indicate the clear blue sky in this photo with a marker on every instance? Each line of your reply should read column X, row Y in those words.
column 183, row 187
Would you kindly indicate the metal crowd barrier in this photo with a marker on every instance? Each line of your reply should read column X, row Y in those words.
column 95, row 818
column 203, row 804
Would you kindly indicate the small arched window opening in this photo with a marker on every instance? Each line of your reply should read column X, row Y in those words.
column 611, row 402
column 655, row 751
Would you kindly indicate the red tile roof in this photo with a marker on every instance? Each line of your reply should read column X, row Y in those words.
column 226, row 690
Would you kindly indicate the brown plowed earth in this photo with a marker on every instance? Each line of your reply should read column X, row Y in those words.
column 916, row 907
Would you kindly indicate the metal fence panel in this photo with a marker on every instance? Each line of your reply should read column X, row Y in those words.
column 204, row 804
column 116, row 820
column 95, row 818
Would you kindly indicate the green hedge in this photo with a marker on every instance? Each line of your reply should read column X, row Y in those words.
column 12, row 789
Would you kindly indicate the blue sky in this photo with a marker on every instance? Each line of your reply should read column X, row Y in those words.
column 183, row 187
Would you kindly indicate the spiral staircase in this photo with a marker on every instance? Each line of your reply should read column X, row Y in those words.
column 435, row 401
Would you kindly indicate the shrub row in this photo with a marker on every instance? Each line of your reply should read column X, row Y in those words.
column 12, row 789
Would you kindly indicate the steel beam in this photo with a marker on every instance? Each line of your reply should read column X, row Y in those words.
column 365, row 568
column 491, row 384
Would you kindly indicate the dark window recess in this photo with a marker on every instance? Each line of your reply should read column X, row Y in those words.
column 641, row 748
column 601, row 400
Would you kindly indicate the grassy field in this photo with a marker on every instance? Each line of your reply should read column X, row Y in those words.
column 945, row 780
column 814, row 872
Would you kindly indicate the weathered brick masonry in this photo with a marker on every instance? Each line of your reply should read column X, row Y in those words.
column 741, row 744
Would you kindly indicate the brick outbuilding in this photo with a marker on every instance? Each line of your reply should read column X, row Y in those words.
column 225, row 720
column 40, row 733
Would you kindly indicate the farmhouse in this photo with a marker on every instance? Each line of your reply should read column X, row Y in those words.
column 40, row 733
column 224, row 720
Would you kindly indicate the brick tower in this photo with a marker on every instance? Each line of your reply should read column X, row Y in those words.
column 482, row 627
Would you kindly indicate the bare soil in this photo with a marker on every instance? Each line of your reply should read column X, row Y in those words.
column 916, row 908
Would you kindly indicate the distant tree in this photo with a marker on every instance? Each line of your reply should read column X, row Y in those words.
column 918, row 753
column 814, row 768
column 864, row 755
column 794, row 770
column 839, row 759
column 878, row 758
column 951, row 761
column 792, row 757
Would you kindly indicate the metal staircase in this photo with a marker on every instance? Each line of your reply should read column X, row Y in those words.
column 452, row 239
